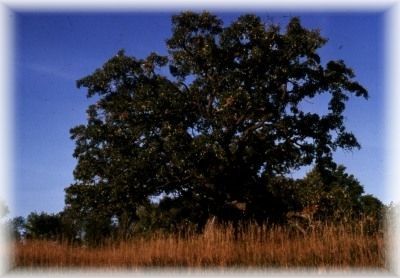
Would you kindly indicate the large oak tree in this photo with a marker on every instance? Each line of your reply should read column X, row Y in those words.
column 216, row 129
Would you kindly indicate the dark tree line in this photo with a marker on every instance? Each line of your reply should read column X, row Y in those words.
column 341, row 201
column 215, row 136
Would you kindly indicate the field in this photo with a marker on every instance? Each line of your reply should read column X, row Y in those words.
column 328, row 246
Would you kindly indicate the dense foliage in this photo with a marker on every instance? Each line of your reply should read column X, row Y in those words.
column 212, row 129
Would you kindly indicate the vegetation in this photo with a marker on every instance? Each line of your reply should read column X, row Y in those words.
column 327, row 247
column 209, row 134
column 218, row 135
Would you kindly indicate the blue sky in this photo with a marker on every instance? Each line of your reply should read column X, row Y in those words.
column 53, row 50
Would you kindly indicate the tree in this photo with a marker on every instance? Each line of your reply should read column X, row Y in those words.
column 17, row 228
column 341, row 199
column 219, row 129
column 373, row 213
column 43, row 226
column 71, row 227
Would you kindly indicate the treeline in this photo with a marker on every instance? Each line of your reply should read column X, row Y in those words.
column 340, row 201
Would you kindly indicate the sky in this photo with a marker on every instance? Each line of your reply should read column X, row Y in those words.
column 52, row 50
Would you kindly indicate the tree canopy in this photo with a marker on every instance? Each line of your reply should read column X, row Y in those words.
column 211, row 125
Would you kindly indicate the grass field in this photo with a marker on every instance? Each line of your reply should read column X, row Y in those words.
column 328, row 246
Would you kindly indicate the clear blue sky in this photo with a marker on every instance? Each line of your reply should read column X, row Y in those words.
column 53, row 50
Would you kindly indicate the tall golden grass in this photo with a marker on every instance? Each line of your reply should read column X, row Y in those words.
column 328, row 246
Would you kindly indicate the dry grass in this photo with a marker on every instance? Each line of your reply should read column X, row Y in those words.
column 339, row 247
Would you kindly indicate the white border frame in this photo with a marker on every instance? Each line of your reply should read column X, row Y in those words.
column 392, row 91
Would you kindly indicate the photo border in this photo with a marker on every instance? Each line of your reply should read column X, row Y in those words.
column 392, row 104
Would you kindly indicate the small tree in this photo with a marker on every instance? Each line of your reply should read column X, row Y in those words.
column 43, row 226
column 340, row 198
column 373, row 212
column 16, row 227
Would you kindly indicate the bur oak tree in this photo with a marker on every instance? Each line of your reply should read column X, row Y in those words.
column 212, row 123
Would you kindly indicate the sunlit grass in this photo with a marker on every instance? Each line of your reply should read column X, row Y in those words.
column 331, row 246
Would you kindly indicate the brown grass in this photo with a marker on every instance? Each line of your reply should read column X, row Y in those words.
column 339, row 247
